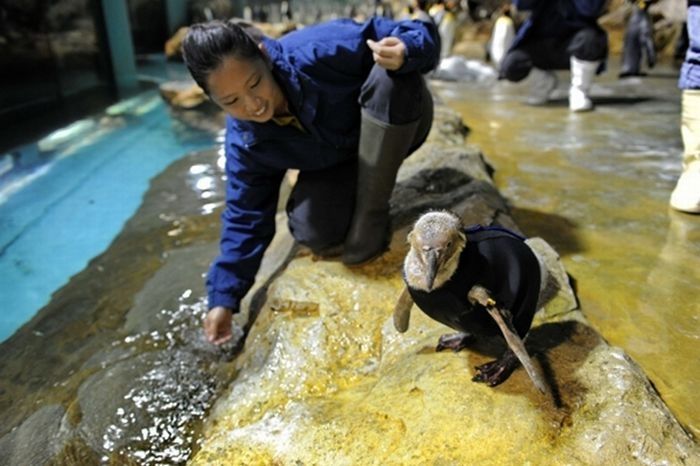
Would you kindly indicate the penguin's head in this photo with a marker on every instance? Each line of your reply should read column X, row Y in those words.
column 436, row 239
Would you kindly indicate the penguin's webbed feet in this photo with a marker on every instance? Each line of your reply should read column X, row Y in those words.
column 496, row 372
column 454, row 341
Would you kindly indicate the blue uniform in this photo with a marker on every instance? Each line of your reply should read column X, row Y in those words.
column 321, row 70
column 556, row 18
column 555, row 31
column 690, row 71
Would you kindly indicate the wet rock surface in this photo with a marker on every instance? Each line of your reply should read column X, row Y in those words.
column 115, row 369
column 576, row 180
column 325, row 379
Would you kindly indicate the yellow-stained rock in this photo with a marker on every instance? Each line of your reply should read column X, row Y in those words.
column 183, row 94
column 325, row 378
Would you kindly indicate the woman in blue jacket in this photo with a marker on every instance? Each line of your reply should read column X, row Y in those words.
column 342, row 102
column 559, row 34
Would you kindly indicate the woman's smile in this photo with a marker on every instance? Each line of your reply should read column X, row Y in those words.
column 246, row 89
column 260, row 112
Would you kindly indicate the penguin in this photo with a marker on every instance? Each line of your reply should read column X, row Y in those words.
column 639, row 39
column 447, row 262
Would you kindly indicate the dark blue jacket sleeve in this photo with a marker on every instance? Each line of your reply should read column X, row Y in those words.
column 590, row 8
column 525, row 5
column 421, row 39
column 248, row 227
column 690, row 71
column 340, row 47
column 585, row 8
column 556, row 18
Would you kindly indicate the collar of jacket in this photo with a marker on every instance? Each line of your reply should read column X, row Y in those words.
column 298, row 89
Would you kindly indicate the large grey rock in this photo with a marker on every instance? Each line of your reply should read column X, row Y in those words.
column 325, row 379
column 37, row 439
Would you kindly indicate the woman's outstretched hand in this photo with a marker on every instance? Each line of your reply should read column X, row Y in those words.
column 217, row 325
column 389, row 53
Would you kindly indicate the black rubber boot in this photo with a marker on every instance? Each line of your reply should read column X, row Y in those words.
column 382, row 148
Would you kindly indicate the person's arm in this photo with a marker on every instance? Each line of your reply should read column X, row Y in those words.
column 420, row 38
column 248, row 225
column 590, row 8
column 338, row 51
column 526, row 5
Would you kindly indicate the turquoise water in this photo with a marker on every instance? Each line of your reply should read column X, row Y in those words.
column 71, row 193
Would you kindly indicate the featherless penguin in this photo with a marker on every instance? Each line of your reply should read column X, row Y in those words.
column 446, row 261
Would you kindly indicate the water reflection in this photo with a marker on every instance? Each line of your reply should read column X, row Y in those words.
column 206, row 181
column 155, row 416
column 66, row 197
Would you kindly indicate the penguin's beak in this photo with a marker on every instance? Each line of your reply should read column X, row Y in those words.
column 431, row 257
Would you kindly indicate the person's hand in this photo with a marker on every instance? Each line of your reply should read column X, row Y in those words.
column 217, row 325
column 389, row 53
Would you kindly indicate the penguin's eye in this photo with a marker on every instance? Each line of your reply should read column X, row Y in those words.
column 449, row 244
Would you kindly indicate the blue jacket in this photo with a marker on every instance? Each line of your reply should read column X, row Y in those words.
column 690, row 71
column 556, row 18
column 321, row 69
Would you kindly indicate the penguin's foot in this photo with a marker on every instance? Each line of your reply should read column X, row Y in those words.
column 454, row 341
column 496, row 372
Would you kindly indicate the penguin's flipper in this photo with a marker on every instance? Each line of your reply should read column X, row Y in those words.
column 402, row 311
column 499, row 370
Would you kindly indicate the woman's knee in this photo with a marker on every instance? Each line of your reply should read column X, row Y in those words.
column 393, row 98
column 321, row 204
column 316, row 233
column 516, row 65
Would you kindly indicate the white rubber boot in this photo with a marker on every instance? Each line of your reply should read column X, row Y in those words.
column 543, row 82
column 686, row 196
column 582, row 73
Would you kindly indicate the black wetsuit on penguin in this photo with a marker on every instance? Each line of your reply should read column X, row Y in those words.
column 498, row 260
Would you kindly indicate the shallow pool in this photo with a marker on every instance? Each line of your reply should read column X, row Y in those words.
column 64, row 198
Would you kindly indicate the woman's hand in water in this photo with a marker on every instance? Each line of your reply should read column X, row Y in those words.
column 389, row 53
column 217, row 325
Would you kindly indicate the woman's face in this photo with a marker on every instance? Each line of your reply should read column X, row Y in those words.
column 246, row 90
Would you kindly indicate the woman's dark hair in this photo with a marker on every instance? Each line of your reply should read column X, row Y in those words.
column 207, row 44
